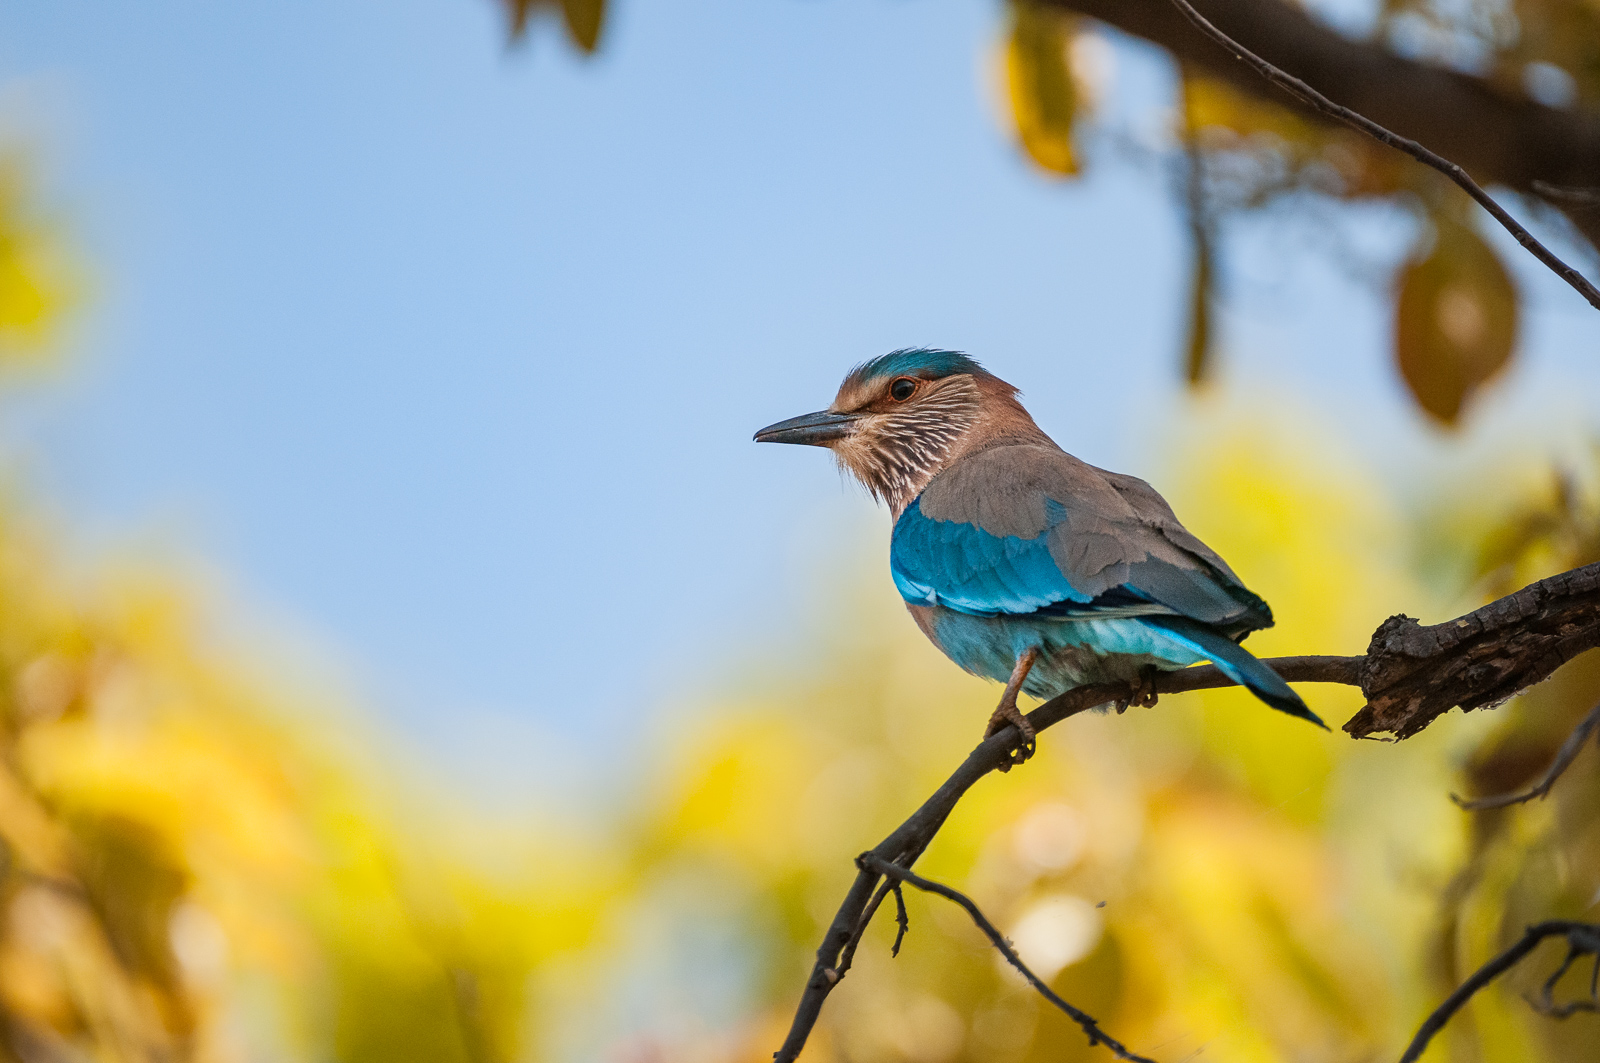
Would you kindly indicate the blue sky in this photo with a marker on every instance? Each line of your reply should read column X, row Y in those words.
column 450, row 353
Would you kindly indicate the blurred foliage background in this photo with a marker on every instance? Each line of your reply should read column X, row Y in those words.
column 200, row 864
column 203, row 862
column 1455, row 305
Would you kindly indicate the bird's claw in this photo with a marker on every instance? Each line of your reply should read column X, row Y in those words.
column 1008, row 715
column 1141, row 691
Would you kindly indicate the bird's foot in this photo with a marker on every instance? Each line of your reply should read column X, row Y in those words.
column 1008, row 715
column 1141, row 690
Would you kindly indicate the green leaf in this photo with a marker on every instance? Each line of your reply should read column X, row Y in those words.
column 1455, row 319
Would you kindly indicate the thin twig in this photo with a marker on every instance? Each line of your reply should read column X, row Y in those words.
column 908, row 840
column 1096, row 1035
column 902, row 920
column 1299, row 89
column 1582, row 939
column 1564, row 758
column 848, row 957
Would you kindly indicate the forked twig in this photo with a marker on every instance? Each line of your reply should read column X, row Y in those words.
column 1563, row 760
column 1096, row 1035
column 1545, row 1003
column 848, row 956
column 1583, row 939
column 1310, row 96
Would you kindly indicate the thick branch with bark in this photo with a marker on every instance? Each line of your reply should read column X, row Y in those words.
column 1498, row 136
column 1410, row 675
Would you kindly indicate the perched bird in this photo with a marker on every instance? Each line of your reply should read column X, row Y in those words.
column 1020, row 562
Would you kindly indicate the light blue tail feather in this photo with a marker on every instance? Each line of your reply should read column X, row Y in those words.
column 1237, row 664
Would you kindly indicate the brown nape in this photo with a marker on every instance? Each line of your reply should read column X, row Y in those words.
column 1003, row 418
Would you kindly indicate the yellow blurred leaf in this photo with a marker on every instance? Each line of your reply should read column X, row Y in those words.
column 36, row 282
column 134, row 881
column 1235, row 120
column 1044, row 99
column 1455, row 319
column 1212, row 104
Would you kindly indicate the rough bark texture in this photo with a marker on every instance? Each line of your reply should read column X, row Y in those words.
column 1498, row 136
column 1413, row 673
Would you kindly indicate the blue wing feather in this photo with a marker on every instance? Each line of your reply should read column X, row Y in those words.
column 961, row 566
column 1139, row 564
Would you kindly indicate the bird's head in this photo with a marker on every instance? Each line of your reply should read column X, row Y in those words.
column 898, row 419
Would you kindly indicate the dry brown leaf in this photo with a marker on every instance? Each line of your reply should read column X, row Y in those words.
column 520, row 11
column 1455, row 319
column 584, row 18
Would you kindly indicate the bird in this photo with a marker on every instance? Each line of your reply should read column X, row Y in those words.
column 1022, row 563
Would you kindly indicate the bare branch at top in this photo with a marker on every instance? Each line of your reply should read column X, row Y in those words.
column 1355, row 120
column 1498, row 134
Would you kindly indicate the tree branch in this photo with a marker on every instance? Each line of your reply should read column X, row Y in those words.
column 1320, row 103
column 1087, row 1022
column 1503, row 137
column 1410, row 675
column 908, row 841
column 1583, row 939
column 902, row 920
column 1563, row 760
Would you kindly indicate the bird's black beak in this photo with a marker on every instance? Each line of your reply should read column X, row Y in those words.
column 814, row 429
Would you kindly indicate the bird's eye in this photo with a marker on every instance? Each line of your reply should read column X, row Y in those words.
column 901, row 389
